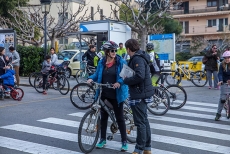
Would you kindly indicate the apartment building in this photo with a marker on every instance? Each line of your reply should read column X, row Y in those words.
column 207, row 19
column 90, row 5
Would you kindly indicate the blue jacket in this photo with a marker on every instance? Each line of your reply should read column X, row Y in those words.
column 8, row 77
column 223, row 75
column 122, row 92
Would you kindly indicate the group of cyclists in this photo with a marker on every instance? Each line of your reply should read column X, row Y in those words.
column 109, row 63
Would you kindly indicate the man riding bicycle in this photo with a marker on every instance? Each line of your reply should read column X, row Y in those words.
column 89, row 55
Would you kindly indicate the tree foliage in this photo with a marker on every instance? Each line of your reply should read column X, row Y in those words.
column 8, row 5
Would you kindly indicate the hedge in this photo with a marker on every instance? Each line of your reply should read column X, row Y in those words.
column 31, row 59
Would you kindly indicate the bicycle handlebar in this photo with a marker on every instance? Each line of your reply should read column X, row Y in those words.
column 99, row 85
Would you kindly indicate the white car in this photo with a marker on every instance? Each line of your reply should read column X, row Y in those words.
column 74, row 56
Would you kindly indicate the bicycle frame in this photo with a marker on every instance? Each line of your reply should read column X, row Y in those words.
column 186, row 72
column 100, row 104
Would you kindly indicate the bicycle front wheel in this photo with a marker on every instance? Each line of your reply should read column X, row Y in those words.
column 199, row 78
column 82, row 96
column 81, row 76
column 173, row 78
column 63, row 85
column 38, row 82
column 88, row 132
column 177, row 95
column 160, row 104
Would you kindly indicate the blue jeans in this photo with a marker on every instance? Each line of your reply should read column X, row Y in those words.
column 143, row 140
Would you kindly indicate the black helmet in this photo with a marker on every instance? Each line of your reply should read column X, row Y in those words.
column 109, row 45
column 149, row 46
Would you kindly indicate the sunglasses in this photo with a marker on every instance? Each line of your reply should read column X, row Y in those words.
column 113, row 50
column 214, row 48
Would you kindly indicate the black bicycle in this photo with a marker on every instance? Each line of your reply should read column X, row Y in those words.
column 83, row 74
column 89, row 129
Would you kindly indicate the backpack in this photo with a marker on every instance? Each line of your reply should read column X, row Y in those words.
column 204, row 60
column 153, row 68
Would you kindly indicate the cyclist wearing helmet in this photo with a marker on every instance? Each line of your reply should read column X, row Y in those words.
column 224, row 77
column 108, row 71
column 8, row 78
column 155, row 64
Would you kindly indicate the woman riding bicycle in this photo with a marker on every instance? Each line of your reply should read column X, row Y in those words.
column 224, row 77
column 108, row 71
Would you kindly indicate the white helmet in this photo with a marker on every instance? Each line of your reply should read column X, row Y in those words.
column 226, row 54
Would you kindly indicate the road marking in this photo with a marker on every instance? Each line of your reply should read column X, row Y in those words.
column 201, row 104
column 113, row 145
column 30, row 147
column 181, row 130
column 9, row 105
column 193, row 115
column 199, row 109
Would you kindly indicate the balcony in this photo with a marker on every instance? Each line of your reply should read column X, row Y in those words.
column 178, row 10
column 199, row 30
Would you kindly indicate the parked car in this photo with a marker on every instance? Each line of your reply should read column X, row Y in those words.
column 74, row 56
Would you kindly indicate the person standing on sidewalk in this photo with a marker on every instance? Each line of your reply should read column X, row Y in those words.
column 141, row 92
column 211, row 66
column 15, row 63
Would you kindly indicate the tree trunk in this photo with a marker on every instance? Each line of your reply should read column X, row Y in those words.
column 143, row 36
column 53, row 42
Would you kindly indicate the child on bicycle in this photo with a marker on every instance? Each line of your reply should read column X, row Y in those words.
column 46, row 66
column 8, row 78
column 224, row 77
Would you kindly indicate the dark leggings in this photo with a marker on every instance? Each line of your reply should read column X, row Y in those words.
column 118, row 110
column 44, row 76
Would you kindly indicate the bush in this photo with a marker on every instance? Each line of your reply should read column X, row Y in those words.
column 31, row 59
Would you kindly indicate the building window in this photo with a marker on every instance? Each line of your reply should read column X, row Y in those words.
column 226, row 21
column 63, row 40
column 211, row 22
column 211, row 3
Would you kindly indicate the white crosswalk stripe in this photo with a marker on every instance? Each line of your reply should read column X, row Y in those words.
column 192, row 131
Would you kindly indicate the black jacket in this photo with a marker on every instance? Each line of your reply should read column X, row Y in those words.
column 89, row 55
column 211, row 63
column 140, row 85
column 3, row 64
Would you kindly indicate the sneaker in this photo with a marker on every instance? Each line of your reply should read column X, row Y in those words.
column 44, row 93
column 101, row 144
column 217, row 88
column 7, row 90
column 209, row 87
column 217, row 118
column 124, row 146
column 147, row 152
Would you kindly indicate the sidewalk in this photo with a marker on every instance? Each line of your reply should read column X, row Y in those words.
column 24, row 81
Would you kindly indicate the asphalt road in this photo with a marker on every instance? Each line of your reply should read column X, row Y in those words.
column 42, row 124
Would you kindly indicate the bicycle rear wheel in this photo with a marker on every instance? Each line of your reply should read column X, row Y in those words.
column 88, row 132
column 199, row 78
column 38, row 83
column 131, row 129
column 82, row 96
column 177, row 95
column 173, row 79
column 81, row 76
column 32, row 78
column 161, row 102
column 63, row 85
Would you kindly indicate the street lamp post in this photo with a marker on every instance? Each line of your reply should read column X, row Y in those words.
column 45, row 4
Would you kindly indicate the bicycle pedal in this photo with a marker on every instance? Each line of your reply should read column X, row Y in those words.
column 110, row 138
